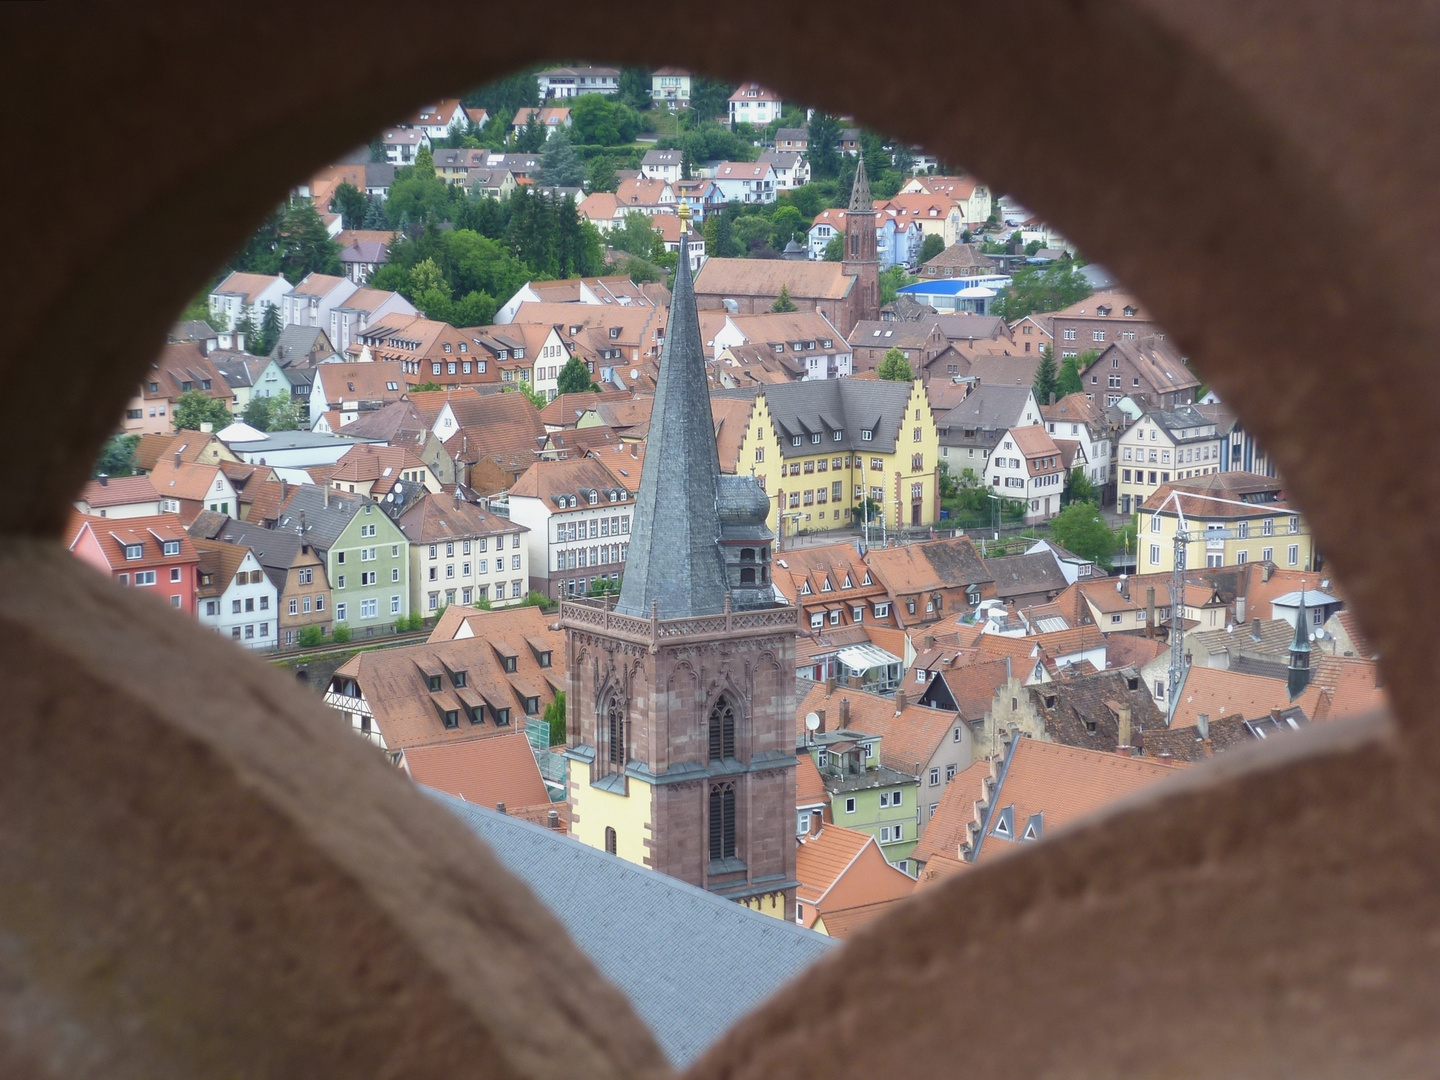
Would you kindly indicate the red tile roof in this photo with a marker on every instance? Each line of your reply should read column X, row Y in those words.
column 487, row 771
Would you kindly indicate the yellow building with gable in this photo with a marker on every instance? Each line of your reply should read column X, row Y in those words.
column 819, row 448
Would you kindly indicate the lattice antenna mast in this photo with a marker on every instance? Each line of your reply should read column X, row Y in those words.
column 1183, row 537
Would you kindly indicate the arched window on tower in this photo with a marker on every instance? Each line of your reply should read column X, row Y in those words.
column 615, row 734
column 722, row 730
column 610, row 840
column 722, row 821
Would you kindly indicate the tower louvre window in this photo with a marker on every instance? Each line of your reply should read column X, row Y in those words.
column 616, row 733
column 722, row 821
column 722, row 730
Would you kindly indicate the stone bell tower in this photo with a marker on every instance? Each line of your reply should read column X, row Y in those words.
column 681, row 699
column 862, row 258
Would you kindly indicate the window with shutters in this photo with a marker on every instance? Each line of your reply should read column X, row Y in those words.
column 722, row 821
column 722, row 730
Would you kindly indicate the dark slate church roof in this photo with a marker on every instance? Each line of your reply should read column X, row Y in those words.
column 674, row 561
column 691, row 962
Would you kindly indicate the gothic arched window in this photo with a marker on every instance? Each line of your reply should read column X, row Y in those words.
column 722, row 730
column 610, row 840
column 722, row 821
column 615, row 733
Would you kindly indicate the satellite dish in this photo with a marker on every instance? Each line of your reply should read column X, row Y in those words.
column 390, row 497
column 812, row 721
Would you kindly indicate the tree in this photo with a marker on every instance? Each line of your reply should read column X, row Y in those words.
column 709, row 98
column 1081, row 529
column 269, row 334
column 787, row 224
column 933, row 245
column 350, row 203
column 635, row 87
column 1044, row 384
column 257, row 413
column 1034, row 289
column 340, row 634
column 118, row 457
column 309, row 636
column 892, row 281
column 1079, row 489
column 554, row 718
column 823, row 133
column 719, row 236
column 895, row 368
column 1068, row 381
column 536, row 398
column 600, row 174
column 783, row 302
column 752, row 233
column 835, row 248
column 574, row 378
column 637, row 236
column 531, row 136
column 604, row 586
column 561, row 166
column 303, row 244
column 599, row 121
column 196, row 407
column 375, row 218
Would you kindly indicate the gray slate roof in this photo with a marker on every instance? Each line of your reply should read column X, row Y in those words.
column 674, row 560
column 275, row 549
column 690, row 962
column 327, row 512
column 825, row 406
column 1020, row 575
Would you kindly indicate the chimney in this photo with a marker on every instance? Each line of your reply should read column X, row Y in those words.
column 552, row 819
column 899, row 701
column 1125, row 587
column 284, row 491
column 821, row 714
column 325, row 495
column 104, row 480
column 500, row 808
column 829, row 684
column 1202, row 725
column 177, row 459
column 1123, row 748
column 1265, row 571
column 1052, row 397
column 854, row 683
column 844, row 712
column 1150, row 611
column 927, row 642
column 1239, row 609
column 1255, row 628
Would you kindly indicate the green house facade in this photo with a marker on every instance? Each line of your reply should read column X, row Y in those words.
column 867, row 796
column 366, row 556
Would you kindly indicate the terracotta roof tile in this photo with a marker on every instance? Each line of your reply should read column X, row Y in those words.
column 485, row 771
column 908, row 739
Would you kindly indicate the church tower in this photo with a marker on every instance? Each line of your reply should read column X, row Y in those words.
column 862, row 259
column 680, row 703
column 1298, row 676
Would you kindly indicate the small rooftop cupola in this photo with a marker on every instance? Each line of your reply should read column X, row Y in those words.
column 674, row 564
column 1299, row 677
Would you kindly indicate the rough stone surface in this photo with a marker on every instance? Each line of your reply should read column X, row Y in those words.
column 202, row 877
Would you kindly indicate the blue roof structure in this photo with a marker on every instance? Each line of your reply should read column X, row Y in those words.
column 690, row 962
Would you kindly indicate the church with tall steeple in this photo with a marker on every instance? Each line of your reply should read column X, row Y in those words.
column 862, row 258
column 680, row 697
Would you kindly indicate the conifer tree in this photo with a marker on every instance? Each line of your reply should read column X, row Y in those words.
column 783, row 303
column 1045, row 376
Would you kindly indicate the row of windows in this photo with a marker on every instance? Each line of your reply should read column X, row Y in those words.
column 301, row 605
column 368, row 577
column 580, row 530
column 369, row 609
column 449, row 368
column 137, row 551
column 368, row 554
column 579, row 558
column 147, row 577
column 1292, row 556
column 482, row 566
column 249, row 631
column 479, row 592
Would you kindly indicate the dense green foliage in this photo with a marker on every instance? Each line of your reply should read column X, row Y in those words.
column 1068, row 380
column 783, row 303
column 932, row 245
column 574, row 378
column 195, row 407
column 601, row 120
column 350, row 203
column 1036, row 288
column 340, row 634
column 892, row 281
column 1045, row 377
column 637, row 236
column 1081, row 529
column 554, row 717
column 1078, row 488
column 272, row 413
column 117, row 458
column 309, row 636
column 835, row 248
column 895, row 368
column 561, row 165
column 293, row 242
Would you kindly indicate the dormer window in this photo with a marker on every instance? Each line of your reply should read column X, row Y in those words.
column 867, row 434
column 796, row 440
column 458, row 678
column 433, row 682
column 134, row 551
column 815, row 438
column 446, row 346
column 614, row 332
column 509, row 663
column 171, row 547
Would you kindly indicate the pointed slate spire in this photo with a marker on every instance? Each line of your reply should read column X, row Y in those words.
column 1299, row 677
column 674, row 561
column 860, row 194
